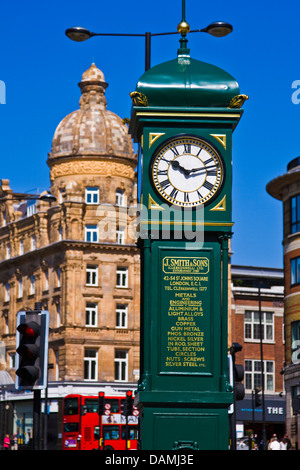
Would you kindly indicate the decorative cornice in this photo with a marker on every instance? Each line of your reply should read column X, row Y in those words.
column 95, row 167
column 69, row 244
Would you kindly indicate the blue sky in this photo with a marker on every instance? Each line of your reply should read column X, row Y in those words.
column 41, row 68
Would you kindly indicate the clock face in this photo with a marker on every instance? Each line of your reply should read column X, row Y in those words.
column 187, row 171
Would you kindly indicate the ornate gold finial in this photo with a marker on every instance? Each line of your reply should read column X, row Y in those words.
column 238, row 101
column 126, row 121
column 138, row 99
column 183, row 27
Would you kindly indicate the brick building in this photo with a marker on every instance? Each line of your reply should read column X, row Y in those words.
column 256, row 290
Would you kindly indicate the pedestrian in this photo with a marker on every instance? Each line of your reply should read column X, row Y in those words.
column 6, row 442
column 285, row 443
column 14, row 442
column 270, row 442
column 274, row 445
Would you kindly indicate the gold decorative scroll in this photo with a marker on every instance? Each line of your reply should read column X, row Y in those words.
column 153, row 205
column 221, row 206
column 220, row 138
column 153, row 136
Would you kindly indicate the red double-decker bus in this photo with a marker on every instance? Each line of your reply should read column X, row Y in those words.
column 84, row 430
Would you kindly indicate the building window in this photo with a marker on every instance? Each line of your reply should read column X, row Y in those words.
column 122, row 277
column 56, row 365
column 295, row 331
column 31, row 207
column 91, row 314
column 295, row 271
column 295, row 400
column 60, row 233
column 91, row 233
column 8, row 251
column 21, row 247
column 61, row 195
column 46, row 280
column 20, row 289
column 121, row 316
column 58, row 316
column 121, row 366
column 58, row 277
column 90, row 364
column 33, row 242
column 32, row 285
column 91, row 275
column 6, row 328
column 92, row 195
column 252, row 326
column 253, row 376
column 120, row 197
column 295, row 214
column 12, row 361
column 121, row 235
column 7, row 292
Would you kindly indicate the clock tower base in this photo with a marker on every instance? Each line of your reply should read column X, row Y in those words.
column 183, row 395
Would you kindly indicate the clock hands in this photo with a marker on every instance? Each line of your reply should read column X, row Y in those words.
column 176, row 165
column 203, row 169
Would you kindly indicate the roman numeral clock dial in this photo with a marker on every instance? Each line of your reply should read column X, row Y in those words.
column 187, row 171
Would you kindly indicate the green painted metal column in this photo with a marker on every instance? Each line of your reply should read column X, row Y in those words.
column 183, row 116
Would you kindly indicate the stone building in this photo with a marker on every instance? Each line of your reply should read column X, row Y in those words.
column 286, row 188
column 77, row 255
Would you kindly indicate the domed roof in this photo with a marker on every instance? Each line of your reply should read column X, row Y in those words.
column 91, row 130
column 186, row 82
column 280, row 187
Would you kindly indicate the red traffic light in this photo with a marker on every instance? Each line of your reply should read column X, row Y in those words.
column 129, row 393
column 32, row 349
column 31, row 329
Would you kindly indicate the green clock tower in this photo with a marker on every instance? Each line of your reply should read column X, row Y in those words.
column 183, row 116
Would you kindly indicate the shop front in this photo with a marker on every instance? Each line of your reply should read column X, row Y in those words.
column 250, row 419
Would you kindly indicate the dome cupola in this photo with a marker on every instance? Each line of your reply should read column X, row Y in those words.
column 92, row 130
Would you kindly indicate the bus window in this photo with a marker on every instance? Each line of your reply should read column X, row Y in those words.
column 71, row 406
column 91, row 405
column 111, row 432
column 96, row 433
column 114, row 405
column 132, row 434
column 70, row 427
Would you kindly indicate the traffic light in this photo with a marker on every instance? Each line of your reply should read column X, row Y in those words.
column 101, row 403
column 32, row 349
column 238, row 378
column 257, row 397
column 238, row 373
column 128, row 404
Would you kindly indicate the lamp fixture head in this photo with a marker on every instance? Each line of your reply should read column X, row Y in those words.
column 218, row 29
column 78, row 34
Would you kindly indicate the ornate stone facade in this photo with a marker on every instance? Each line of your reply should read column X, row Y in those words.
column 76, row 255
column 286, row 188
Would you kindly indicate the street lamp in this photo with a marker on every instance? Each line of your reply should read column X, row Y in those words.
column 218, row 29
